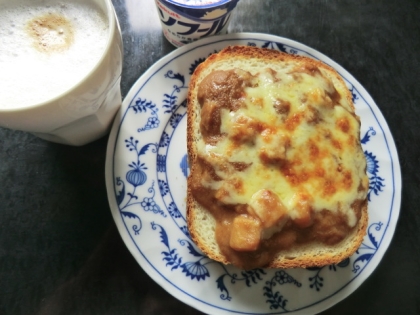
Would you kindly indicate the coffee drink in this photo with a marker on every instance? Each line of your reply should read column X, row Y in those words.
column 47, row 47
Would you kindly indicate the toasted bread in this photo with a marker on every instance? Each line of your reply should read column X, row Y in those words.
column 278, row 177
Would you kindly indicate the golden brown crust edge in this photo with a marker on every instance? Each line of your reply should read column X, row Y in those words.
column 302, row 261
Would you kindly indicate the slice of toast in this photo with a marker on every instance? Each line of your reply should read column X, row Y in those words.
column 278, row 177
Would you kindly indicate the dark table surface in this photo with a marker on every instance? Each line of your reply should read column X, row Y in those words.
column 60, row 251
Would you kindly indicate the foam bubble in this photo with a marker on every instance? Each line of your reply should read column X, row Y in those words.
column 30, row 75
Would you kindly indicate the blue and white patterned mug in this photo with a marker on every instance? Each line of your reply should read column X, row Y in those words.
column 185, row 21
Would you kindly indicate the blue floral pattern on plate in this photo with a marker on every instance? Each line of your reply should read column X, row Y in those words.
column 147, row 167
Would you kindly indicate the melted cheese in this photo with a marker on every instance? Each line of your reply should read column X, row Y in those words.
column 299, row 143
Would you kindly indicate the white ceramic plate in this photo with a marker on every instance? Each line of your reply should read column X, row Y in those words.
column 146, row 173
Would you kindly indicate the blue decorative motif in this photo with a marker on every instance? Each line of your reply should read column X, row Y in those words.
column 184, row 165
column 163, row 187
column 149, row 204
column 161, row 163
column 317, row 282
column 275, row 299
column 120, row 194
column 274, row 45
column 195, row 64
column 174, row 211
column 368, row 134
column 354, row 96
column 194, row 270
column 175, row 119
column 143, row 106
column 170, row 100
column 136, row 176
column 375, row 181
column 169, row 104
column 178, row 114
column 136, row 228
column 366, row 251
column 249, row 277
column 184, row 229
column 164, row 140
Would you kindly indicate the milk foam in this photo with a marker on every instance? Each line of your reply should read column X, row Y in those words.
column 29, row 75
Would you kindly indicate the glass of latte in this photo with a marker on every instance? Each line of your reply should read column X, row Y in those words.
column 60, row 68
column 185, row 21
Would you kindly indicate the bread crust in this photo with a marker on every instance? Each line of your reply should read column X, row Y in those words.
column 299, row 256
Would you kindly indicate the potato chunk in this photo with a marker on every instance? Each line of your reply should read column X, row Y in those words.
column 245, row 234
column 267, row 206
column 244, row 129
column 274, row 149
column 303, row 209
